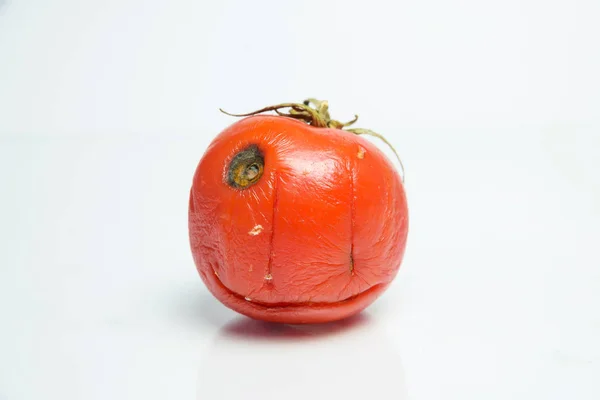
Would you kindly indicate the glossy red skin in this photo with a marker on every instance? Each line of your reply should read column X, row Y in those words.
column 326, row 197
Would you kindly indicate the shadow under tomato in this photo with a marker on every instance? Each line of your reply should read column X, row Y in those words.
column 193, row 307
column 249, row 329
column 352, row 358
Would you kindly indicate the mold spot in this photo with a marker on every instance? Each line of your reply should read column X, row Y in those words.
column 361, row 152
column 256, row 230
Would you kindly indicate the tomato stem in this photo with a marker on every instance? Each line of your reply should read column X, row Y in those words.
column 316, row 113
column 368, row 132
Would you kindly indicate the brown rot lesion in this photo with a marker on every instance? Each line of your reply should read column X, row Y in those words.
column 246, row 168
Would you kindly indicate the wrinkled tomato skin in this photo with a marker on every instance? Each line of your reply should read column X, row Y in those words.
column 317, row 238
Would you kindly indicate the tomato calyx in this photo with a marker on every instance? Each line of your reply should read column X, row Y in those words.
column 312, row 111
column 316, row 113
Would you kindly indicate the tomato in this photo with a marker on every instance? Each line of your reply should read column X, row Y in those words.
column 293, row 219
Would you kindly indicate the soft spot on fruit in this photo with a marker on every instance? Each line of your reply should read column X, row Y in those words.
column 268, row 277
column 256, row 230
column 361, row 152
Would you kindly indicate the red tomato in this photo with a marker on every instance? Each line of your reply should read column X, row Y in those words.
column 296, row 223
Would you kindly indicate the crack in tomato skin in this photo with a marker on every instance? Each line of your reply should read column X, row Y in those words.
column 289, row 304
column 352, row 214
column 276, row 184
column 298, row 304
column 293, row 313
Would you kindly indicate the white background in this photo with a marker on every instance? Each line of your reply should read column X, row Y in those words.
column 107, row 106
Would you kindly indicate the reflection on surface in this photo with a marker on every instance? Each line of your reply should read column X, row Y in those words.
column 348, row 359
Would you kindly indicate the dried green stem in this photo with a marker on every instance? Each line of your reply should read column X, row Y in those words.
column 368, row 132
column 297, row 111
column 316, row 113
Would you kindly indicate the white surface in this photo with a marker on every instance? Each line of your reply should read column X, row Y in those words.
column 106, row 107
